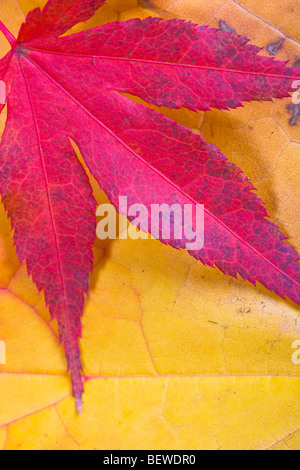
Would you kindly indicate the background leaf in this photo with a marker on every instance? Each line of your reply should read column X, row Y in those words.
column 175, row 355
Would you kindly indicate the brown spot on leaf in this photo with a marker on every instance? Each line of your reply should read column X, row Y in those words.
column 295, row 114
column 147, row 3
column 296, row 63
column 225, row 27
column 274, row 47
column 294, row 110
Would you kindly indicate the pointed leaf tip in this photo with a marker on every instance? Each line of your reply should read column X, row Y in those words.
column 78, row 401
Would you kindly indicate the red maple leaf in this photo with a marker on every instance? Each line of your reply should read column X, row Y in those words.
column 72, row 87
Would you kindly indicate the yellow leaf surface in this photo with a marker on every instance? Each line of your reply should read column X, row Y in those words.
column 175, row 355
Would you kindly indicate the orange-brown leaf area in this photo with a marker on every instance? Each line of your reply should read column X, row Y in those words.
column 175, row 355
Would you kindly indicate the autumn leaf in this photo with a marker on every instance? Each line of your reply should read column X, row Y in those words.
column 275, row 85
column 252, row 411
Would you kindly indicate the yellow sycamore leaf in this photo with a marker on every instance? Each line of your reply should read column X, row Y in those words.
column 175, row 355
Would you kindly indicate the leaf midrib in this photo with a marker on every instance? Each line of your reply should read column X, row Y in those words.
column 48, row 196
column 173, row 64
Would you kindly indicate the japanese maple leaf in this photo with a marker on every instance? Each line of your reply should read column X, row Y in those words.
column 73, row 87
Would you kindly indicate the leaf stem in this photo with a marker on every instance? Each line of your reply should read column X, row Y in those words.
column 11, row 39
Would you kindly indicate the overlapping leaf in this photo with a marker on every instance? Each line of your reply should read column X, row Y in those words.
column 72, row 87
